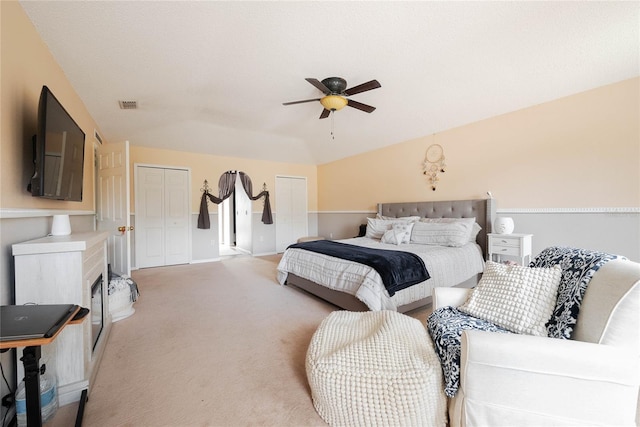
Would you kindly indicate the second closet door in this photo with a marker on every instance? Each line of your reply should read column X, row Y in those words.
column 162, row 217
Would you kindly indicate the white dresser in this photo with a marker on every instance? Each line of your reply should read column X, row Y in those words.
column 63, row 270
column 511, row 245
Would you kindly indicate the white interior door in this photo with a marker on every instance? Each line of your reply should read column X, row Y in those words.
column 112, row 203
column 225, row 226
column 162, row 216
column 291, row 210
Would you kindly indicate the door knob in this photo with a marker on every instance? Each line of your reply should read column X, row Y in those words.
column 122, row 229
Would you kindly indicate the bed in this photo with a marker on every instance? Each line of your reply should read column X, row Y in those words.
column 357, row 287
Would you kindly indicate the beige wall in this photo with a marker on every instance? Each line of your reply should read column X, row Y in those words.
column 210, row 167
column 26, row 66
column 575, row 152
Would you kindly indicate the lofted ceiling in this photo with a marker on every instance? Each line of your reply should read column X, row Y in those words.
column 211, row 76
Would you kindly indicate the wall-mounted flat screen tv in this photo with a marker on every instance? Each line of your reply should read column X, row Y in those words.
column 58, row 152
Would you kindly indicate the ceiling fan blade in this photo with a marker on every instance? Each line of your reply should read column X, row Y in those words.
column 373, row 84
column 325, row 114
column 300, row 102
column 318, row 84
column 360, row 106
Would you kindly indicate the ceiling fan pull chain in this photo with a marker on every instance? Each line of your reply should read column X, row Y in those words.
column 333, row 113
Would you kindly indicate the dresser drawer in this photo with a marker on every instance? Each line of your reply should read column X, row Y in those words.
column 505, row 241
column 505, row 250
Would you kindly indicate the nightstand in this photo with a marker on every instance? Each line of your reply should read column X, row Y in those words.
column 514, row 245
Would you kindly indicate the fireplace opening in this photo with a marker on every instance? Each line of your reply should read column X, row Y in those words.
column 97, row 311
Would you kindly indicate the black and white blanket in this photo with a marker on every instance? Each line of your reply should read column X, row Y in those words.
column 445, row 325
column 398, row 269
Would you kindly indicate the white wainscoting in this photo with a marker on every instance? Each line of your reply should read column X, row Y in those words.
column 612, row 230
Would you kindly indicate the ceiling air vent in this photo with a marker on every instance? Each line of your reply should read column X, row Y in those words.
column 128, row 105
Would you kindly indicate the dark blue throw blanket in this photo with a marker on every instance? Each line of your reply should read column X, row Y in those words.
column 398, row 269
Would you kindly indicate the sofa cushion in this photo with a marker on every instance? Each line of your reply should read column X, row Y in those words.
column 520, row 299
column 610, row 308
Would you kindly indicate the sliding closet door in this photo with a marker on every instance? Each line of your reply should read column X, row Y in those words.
column 162, row 216
column 149, row 230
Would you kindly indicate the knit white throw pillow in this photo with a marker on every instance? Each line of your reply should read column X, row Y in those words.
column 520, row 299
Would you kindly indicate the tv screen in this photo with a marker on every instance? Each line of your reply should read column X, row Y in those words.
column 58, row 152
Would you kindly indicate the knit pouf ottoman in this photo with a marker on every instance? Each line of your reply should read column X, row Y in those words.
column 375, row 368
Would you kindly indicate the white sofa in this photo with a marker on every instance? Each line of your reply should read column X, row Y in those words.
column 523, row 380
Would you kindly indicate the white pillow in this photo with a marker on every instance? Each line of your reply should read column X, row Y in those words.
column 520, row 299
column 441, row 233
column 377, row 227
column 398, row 233
column 475, row 227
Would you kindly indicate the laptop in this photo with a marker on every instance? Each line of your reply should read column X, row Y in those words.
column 22, row 322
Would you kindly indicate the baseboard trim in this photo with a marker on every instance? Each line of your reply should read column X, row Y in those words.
column 265, row 254
column 70, row 393
column 203, row 261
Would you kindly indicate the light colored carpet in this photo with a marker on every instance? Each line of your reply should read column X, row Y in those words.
column 216, row 344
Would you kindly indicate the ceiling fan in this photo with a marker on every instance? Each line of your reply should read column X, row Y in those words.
column 335, row 91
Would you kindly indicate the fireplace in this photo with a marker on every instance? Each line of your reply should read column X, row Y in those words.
column 97, row 311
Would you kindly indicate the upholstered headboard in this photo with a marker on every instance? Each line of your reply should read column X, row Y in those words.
column 483, row 210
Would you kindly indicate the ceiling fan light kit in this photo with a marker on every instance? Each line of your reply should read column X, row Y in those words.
column 333, row 102
column 336, row 93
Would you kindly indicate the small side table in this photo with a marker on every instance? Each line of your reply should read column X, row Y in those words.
column 32, row 351
column 515, row 245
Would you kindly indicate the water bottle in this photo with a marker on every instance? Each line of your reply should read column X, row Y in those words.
column 48, row 398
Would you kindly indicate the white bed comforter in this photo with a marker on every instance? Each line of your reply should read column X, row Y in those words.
column 447, row 267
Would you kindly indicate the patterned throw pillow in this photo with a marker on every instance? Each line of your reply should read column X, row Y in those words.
column 520, row 299
column 397, row 234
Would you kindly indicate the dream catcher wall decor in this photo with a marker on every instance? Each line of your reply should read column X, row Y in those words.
column 433, row 164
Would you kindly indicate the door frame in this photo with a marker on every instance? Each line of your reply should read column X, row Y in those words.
column 136, row 166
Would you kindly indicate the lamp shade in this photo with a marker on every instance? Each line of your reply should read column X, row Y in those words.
column 333, row 102
column 503, row 225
